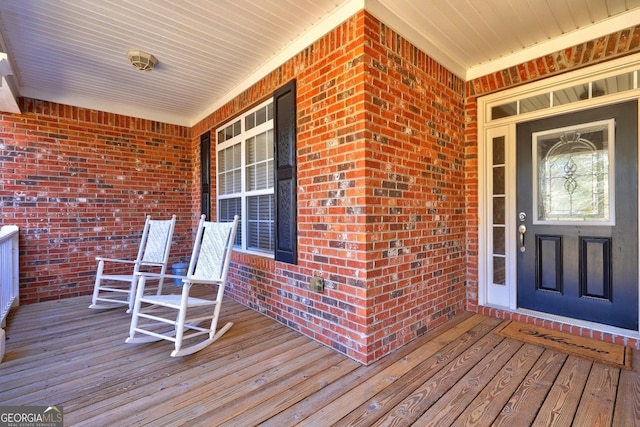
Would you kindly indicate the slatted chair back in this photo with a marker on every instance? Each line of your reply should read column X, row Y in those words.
column 156, row 245
column 212, row 254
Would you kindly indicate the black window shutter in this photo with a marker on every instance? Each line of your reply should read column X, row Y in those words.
column 284, row 101
column 205, row 174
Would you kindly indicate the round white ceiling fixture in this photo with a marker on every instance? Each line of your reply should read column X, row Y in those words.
column 142, row 61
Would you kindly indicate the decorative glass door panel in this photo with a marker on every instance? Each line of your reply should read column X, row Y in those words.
column 572, row 167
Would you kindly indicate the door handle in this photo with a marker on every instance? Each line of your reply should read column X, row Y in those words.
column 522, row 229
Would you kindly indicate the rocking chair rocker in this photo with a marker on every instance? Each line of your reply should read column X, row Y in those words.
column 181, row 317
column 153, row 254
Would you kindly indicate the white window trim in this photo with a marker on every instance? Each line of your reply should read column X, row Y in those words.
column 244, row 193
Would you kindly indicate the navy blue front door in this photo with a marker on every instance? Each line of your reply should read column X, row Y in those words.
column 577, row 203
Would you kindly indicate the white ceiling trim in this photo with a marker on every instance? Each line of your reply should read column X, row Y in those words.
column 327, row 24
column 582, row 35
column 93, row 103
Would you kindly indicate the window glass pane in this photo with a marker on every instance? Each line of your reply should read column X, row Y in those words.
column 573, row 165
column 535, row 103
column 261, row 116
column 499, row 270
column 229, row 170
column 228, row 133
column 498, row 180
column 260, row 176
column 570, row 94
column 257, row 148
column 615, row 84
column 236, row 159
column 498, row 240
column 498, row 210
column 221, row 155
column 504, row 110
column 237, row 181
column 227, row 209
column 583, row 91
column 260, row 223
column 250, row 122
column 260, row 161
column 498, row 150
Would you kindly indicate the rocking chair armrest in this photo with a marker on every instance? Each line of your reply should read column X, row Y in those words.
column 151, row 263
column 185, row 278
column 129, row 261
column 205, row 282
column 159, row 275
column 123, row 261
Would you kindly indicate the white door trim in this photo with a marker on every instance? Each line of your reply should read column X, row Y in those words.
column 504, row 296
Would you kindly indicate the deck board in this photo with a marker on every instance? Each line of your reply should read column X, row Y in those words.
column 627, row 408
column 262, row 373
column 564, row 395
column 492, row 399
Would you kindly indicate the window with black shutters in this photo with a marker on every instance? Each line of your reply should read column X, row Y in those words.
column 256, row 159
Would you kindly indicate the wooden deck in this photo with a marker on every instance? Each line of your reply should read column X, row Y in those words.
column 260, row 372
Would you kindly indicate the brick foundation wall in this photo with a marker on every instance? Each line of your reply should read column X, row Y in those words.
column 79, row 184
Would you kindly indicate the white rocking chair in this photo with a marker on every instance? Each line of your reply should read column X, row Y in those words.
column 111, row 290
column 157, row 319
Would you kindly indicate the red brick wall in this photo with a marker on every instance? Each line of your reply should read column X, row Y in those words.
column 380, row 193
column 79, row 183
column 415, row 207
column 330, row 124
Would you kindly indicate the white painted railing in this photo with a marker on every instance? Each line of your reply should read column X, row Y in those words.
column 9, row 266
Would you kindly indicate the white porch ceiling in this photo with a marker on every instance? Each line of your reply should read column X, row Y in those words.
column 74, row 51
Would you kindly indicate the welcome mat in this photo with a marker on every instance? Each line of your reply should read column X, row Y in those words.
column 611, row 354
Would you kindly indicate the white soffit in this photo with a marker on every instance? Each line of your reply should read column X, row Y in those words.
column 328, row 23
column 210, row 51
column 473, row 38
column 579, row 36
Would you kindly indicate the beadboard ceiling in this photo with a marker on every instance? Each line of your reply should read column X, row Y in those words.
column 74, row 51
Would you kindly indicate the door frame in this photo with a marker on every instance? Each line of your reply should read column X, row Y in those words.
column 524, row 104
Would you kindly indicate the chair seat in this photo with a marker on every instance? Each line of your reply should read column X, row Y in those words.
column 175, row 300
